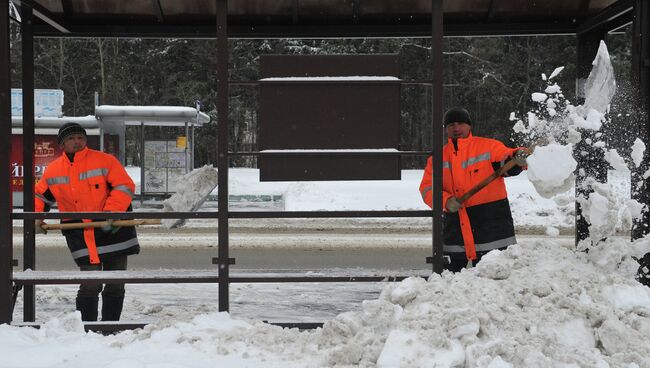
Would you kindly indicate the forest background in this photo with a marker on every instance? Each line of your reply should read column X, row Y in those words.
column 490, row 76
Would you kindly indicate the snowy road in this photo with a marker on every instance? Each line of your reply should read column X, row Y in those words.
column 321, row 252
column 193, row 248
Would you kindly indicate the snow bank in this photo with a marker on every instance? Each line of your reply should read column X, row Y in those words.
column 537, row 305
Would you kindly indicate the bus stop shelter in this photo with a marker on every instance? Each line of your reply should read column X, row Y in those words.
column 589, row 20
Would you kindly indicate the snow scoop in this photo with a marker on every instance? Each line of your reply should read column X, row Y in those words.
column 193, row 189
column 84, row 225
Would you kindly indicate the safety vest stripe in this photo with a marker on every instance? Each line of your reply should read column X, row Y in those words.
column 125, row 189
column 58, row 180
column 42, row 198
column 473, row 160
column 446, row 165
column 107, row 248
column 485, row 247
column 93, row 173
column 426, row 190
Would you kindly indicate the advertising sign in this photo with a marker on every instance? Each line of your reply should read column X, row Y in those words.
column 164, row 164
column 47, row 102
column 46, row 150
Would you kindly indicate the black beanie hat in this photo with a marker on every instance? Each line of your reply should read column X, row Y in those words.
column 69, row 129
column 457, row 115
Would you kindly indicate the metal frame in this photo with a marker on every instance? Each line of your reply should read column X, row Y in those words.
column 45, row 15
column 222, row 151
column 235, row 31
column 641, row 71
column 6, row 241
column 588, row 37
column 432, row 28
column 29, row 252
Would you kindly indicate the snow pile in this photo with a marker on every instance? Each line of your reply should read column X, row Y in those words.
column 192, row 190
column 536, row 305
column 556, row 128
column 600, row 209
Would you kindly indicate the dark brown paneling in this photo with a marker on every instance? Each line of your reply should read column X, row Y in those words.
column 329, row 114
column 328, row 168
column 328, row 65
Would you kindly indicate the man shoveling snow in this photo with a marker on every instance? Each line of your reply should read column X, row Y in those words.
column 472, row 225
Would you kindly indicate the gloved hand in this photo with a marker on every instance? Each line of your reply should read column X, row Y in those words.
column 109, row 227
column 520, row 158
column 453, row 205
column 38, row 228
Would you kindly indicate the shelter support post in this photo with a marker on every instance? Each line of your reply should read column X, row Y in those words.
column 222, row 152
column 436, row 131
column 29, row 249
column 641, row 74
column 6, row 246
column 143, row 178
column 591, row 162
column 188, row 166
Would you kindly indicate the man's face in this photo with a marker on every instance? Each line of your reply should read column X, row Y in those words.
column 458, row 130
column 74, row 143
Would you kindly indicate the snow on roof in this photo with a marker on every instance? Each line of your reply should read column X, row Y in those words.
column 88, row 121
column 151, row 115
column 52, row 131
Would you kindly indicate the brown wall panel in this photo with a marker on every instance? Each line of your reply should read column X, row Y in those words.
column 317, row 114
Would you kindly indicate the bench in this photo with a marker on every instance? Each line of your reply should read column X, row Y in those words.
column 29, row 277
column 97, row 326
column 180, row 276
column 117, row 326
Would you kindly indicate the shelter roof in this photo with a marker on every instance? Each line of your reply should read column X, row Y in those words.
column 311, row 18
column 129, row 115
column 152, row 115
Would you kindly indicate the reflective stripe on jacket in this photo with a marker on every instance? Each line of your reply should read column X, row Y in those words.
column 94, row 182
column 484, row 221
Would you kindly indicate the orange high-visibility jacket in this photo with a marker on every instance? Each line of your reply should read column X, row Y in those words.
column 94, row 182
column 483, row 219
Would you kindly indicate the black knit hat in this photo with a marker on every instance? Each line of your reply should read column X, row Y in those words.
column 69, row 129
column 457, row 115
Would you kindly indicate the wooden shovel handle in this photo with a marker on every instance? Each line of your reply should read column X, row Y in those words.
column 84, row 225
column 475, row 189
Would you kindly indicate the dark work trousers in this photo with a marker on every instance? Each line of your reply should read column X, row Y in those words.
column 112, row 294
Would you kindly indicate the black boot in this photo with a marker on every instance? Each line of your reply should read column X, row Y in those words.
column 112, row 307
column 88, row 308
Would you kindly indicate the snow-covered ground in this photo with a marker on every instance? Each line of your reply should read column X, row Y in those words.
column 540, row 303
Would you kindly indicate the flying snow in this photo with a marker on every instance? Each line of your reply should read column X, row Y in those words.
column 550, row 169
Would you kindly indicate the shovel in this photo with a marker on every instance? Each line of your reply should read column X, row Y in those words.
column 84, row 225
column 497, row 173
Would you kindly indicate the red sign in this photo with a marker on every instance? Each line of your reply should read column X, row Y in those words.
column 46, row 150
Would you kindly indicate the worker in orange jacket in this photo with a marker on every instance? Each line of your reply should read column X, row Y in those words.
column 86, row 180
column 483, row 222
